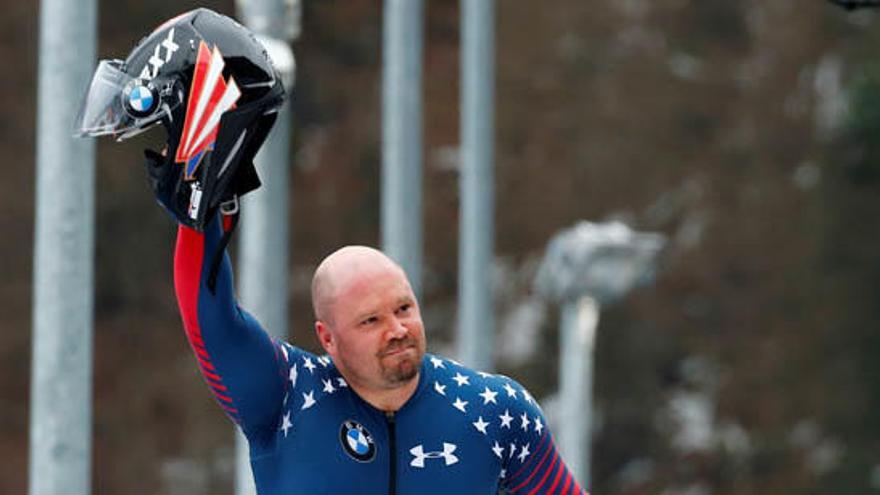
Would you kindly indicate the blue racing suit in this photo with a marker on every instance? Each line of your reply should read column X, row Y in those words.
column 462, row 432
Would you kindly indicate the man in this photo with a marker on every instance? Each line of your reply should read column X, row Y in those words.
column 376, row 414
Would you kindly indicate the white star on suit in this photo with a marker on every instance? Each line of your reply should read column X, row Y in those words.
column 528, row 396
column 504, row 473
column 324, row 360
column 525, row 422
column 292, row 376
column 438, row 363
column 506, row 418
column 497, row 449
column 512, row 449
column 459, row 404
column 308, row 400
column 441, row 389
column 523, row 453
column 286, row 424
column 481, row 425
column 488, row 396
column 484, row 374
column 341, row 382
column 328, row 386
column 461, row 379
column 510, row 391
column 309, row 364
column 284, row 351
column 538, row 425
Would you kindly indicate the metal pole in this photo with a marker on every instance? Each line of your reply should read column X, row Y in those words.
column 263, row 248
column 279, row 19
column 61, row 370
column 476, row 323
column 403, row 31
column 263, row 245
column 587, row 266
column 578, row 323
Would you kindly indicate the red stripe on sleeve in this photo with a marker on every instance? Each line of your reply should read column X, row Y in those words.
column 188, row 264
column 188, row 259
column 567, row 482
column 560, row 468
column 206, row 364
column 197, row 341
column 212, row 376
column 534, row 472
column 217, row 386
column 202, row 352
column 547, row 472
column 524, row 467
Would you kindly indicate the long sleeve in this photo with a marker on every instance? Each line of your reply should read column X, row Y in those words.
column 241, row 364
column 543, row 473
column 533, row 465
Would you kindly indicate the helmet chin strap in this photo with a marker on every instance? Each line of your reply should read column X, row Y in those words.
column 229, row 212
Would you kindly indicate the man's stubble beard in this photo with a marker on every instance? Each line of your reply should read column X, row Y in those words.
column 405, row 370
column 400, row 373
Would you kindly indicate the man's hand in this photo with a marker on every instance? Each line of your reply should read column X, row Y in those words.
column 163, row 178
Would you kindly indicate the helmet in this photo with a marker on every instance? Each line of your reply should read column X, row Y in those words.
column 210, row 83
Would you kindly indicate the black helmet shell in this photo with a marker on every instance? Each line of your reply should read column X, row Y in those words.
column 211, row 84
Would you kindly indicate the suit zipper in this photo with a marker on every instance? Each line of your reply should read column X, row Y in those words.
column 392, row 454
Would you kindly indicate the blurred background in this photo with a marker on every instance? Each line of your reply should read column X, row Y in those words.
column 747, row 132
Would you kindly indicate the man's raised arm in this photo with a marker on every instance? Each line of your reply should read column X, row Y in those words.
column 242, row 365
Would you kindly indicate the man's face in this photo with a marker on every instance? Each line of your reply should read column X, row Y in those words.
column 374, row 331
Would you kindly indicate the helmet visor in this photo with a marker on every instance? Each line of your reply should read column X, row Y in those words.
column 121, row 105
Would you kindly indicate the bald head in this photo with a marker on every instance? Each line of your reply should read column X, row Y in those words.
column 341, row 268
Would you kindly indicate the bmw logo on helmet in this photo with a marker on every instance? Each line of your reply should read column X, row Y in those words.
column 140, row 98
column 357, row 441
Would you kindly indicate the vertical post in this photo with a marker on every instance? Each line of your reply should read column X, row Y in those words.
column 264, row 241
column 476, row 323
column 263, row 248
column 585, row 267
column 578, row 323
column 244, row 478
column 279, row 19
column 61, row 370
column 403, row 30
column 263, row 245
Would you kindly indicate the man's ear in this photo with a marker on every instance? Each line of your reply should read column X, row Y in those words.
column 325, row 337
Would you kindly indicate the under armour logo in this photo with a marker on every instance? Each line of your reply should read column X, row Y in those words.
column 419, row 455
